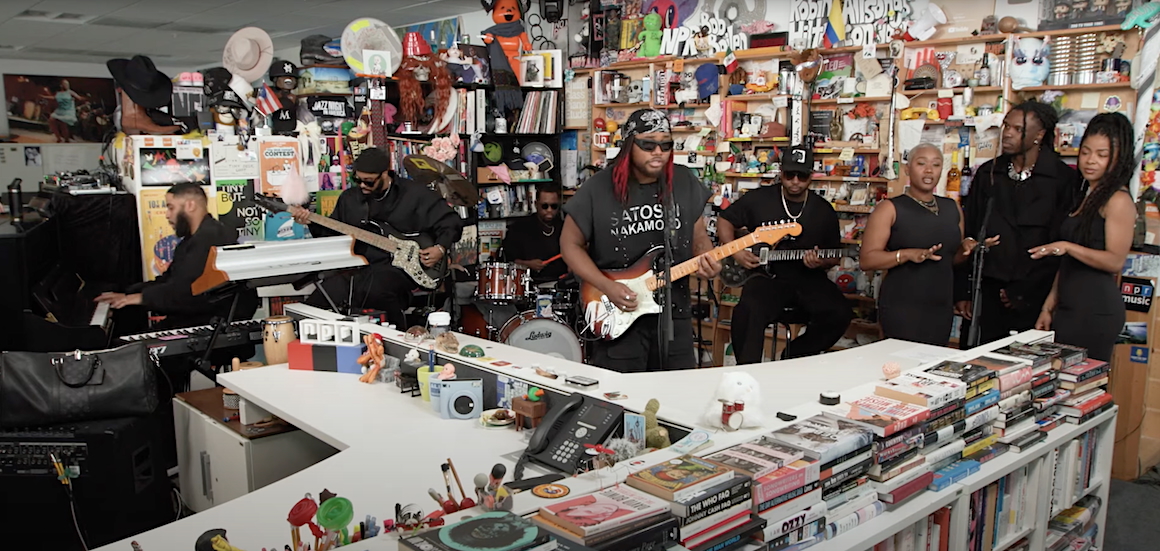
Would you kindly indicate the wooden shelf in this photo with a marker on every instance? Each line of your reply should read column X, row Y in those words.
column 849, row 179
column 978, row 90
column 748, row 175
column 641, row 63
column 834, row 150
column 687, row 129
column 859, row 209
column 620, row 105
column 862, row 298
column 773, row 141
column 575, row 128
column 842, row 101
column 1068, row 152
column 766, row 96
column 852, row 49
column 758, row 53
column 999, row 37
column 852, row 242
column 1078, row 87
column 1064, row 32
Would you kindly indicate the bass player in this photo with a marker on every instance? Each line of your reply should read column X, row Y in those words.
column 618, row 215
column 804, row 285
column 383, row 198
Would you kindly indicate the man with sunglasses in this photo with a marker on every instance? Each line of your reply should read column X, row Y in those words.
column 618, row 215
column 800, row 285
column 535, row 240
column 382, row 198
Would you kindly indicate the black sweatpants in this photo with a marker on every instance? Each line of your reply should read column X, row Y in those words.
column 763, row 300
column 378, row 286
column 639, row 348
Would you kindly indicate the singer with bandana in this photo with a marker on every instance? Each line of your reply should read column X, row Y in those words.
column 619, row 214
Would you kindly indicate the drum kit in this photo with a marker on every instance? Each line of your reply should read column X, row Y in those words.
column 545, row 315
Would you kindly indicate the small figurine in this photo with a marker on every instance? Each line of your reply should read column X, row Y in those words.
column 374, row 359
column 891, row 370
column 446, row 342
column 651, row 36
column 655, row 436
column 500, row 497
column 448, row 372
column 702, row 44
column 736, row 389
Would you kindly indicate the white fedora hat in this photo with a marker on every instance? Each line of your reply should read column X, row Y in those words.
column 249, row 53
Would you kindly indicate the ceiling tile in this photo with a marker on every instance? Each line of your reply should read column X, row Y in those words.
column 23, row 32
column 85, row 7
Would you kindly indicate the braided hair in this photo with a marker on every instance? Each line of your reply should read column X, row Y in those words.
column 622, row 171
column 1121, row 163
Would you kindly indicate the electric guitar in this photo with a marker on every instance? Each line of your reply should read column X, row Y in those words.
column 404, row 248
column 734, row 274
column 605, row 319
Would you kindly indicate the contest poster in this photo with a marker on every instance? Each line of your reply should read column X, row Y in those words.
column 236, row 209
column 157, row 238
column 278, row 158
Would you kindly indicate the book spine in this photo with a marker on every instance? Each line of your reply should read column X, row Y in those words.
column 805, row 533
column 742, row 485
column 733, row 537
column 985, row 401
column 851, row 521
column 885, row 454
column 952, row 449
column 850, row 473
column 713, row 509
column 657, row 536
column 947, row 420
column 845, row 465
column 799, row 520
column 769, row 488
column 790, row 495
column 906, row 490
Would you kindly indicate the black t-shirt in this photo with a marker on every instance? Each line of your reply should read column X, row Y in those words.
column 528, row 239
column 818, row 220
column 618, row 234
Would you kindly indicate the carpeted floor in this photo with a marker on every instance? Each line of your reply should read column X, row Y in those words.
column 1133, row 517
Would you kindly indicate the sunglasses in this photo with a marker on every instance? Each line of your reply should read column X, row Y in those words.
column 367, row 183
column 650, row 145
column 795, row 175
column 549, row 206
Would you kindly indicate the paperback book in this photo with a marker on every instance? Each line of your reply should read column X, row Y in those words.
column 592, row 514
column 824, row 438
column 881, row 415
column 679, row 478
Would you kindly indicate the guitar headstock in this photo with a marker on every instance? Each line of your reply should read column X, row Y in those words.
column 272, row 203
column 774, row 232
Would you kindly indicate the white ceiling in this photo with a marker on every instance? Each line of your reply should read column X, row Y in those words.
column 187, row 33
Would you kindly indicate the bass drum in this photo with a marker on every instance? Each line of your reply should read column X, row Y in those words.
column 543, row 335
column 472, row 322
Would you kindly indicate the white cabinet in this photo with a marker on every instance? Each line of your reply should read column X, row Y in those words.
column 219, row 461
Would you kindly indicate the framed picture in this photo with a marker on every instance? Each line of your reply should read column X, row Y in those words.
column 532, row 70
column 377, row 62
column 859, row 193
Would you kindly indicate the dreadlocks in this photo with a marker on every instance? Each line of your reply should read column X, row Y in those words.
column 1047, row 117
column 622, row 171
column 1121, row 163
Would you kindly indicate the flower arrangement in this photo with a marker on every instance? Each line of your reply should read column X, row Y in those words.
column 443, row 149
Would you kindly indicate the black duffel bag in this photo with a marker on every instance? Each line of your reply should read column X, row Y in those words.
column 39, row 389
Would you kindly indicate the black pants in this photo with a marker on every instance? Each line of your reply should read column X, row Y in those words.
column 824, row 307
column 378, row 286
column 998, row 321
column 639, row 348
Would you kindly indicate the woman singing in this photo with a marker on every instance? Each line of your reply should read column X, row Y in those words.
column 904, row 236
column 1085, row 307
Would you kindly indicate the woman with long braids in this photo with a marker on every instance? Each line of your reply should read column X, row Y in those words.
column 1084, row 306
column 1028, row 191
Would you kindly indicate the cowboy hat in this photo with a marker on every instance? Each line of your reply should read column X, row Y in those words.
column 248, row 53
column 141, row 81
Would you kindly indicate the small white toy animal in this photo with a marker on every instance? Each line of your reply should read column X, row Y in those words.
column 737, row 386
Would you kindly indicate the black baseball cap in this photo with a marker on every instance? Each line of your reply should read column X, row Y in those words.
column 797, row 158
column 373, row 160
column 283, row 68
column 283, row 122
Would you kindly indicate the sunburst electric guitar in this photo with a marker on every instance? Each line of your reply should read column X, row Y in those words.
column 404, row 248
column 605, row 319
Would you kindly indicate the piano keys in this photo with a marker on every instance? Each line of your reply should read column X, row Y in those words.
column 189, row 340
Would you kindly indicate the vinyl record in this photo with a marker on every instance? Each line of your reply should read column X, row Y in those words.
column 494, row 531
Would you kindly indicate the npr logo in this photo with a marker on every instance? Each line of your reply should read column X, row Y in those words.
column 1136, row 290
column 1137, row 293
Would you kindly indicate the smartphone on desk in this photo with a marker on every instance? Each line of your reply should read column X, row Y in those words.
column 560, row 438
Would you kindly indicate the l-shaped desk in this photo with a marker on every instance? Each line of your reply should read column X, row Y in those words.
column 391, row 445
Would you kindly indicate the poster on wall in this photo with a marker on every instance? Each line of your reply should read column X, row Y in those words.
column 157, row 238
column 444, row 31
column 166, row 166
column 278, row 158
column 236, row 209
column 1075, row 14
column 864, row 21
column 53, row 109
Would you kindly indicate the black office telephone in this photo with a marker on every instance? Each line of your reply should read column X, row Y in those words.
column 560, row 438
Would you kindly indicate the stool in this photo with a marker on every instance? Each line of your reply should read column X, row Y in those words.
column 790, row 315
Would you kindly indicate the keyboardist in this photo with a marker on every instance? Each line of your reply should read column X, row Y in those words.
column 169, row 295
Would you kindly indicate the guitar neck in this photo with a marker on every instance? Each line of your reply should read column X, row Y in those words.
column 798, row 254
column 370, row 238
column 690, row 266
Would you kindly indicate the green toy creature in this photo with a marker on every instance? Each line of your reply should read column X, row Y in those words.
column 651, row 36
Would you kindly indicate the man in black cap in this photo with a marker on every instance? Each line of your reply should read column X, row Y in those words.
column 406, row 206
column 800, row 285
column 622, row 212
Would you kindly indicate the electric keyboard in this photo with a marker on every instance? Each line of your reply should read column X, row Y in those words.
column 100, row 315
column 186, row 340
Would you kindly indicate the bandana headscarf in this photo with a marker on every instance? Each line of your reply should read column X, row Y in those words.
column 645, row 121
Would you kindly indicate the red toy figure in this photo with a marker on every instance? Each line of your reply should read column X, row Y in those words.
column 506, row 40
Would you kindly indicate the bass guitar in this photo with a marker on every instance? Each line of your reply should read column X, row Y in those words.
column 404, row 248
column 733, row 274
column 605, row 319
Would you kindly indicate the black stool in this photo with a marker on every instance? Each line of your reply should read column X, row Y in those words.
column 790, row 315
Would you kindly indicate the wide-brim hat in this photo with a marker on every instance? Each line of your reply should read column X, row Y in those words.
column 249, row 53
column 141, row 81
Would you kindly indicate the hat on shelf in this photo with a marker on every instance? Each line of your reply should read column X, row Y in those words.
column 228, row 98
column 215, row 80
column 283, row 122
column 797, row 158
column 414, row 45
column 283, row 68
column 141, row 81
column 708, row 80
column 319, row 49
column 248, row 53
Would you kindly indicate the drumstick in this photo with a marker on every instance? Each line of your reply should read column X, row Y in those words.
column 553, row 259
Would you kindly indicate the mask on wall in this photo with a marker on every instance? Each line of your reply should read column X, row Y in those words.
column 1029, row 63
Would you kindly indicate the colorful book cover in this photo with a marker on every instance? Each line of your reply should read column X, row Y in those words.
column 1078, row 371
column 325, row 201
column 158, row 240
column 832, row 79
column 923, row 389
column 881, row 415
column 962, row 371
column 758, row 457
column 675, row 475
column 1000, row 364
column 824, row 438
column 604, row 510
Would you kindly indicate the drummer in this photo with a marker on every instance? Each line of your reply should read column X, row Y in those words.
column 534, row 241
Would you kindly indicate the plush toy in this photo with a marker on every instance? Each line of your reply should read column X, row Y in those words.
column 655, row 436
column 374, row 359
column 807, row 63
column 1030, row 64
column 650, row 37
column 505, row 41
column 736, row 387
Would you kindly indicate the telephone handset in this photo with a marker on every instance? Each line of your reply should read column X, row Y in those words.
column 560, row 438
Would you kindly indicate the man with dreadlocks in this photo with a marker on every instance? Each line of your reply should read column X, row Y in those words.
column 1030, row 192
column 618, row 215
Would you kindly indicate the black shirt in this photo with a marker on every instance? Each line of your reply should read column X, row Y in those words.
column 618, row 234
column 818, row 220
column 408, row 207
column 528, row 239
column 1025, row 215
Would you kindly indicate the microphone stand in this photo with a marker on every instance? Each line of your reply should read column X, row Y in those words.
column 666, row 320
column 978, row 255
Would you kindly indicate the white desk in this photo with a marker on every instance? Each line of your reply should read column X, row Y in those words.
column 392, row 444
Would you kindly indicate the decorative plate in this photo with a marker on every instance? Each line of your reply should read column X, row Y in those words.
column 927, row 70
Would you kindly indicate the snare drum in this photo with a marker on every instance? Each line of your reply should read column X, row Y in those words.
column 544, row 335
column 277, row 332
column 503, row 282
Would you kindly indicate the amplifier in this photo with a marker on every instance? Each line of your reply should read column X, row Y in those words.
column 121, row 488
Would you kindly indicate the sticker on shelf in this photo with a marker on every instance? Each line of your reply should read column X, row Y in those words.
column 845, row 100
column 847, row 154
column 1139, row 354
column 780, row 101
column 868, row 50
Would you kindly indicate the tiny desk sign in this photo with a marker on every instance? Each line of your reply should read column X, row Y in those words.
column 1139, row 354
column 1137, row 293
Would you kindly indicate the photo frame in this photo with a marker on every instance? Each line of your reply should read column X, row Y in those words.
column 377, row 62
column 859, row 194
column 532, row 70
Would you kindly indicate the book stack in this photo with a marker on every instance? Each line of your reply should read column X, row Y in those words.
column 614, row 519
column 828, row 483
column 928, row 534
column 1074, row 527
column 999, row 511
column 680, row 482
column 494, row 531
column 1087, row 382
